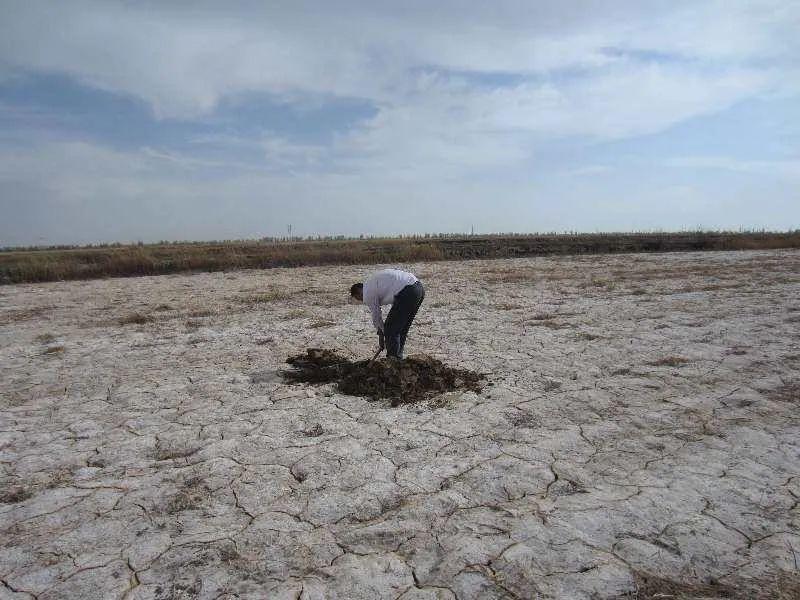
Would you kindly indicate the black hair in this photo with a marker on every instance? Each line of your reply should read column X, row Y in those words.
column 356, row 290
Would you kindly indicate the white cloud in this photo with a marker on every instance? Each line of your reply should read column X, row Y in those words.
column 184, row 61
column 449, row 130
column 573, row 81
column 785, row 169
column 586, row 171
column 467, row 99
column 620, row 102
column 719, row 30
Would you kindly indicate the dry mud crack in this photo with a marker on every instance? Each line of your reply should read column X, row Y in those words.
column 637, row 435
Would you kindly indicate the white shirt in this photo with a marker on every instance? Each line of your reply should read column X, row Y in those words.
column 381, row 288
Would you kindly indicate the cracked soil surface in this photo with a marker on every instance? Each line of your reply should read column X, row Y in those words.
column 638, row 433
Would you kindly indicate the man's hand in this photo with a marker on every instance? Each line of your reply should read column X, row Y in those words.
column 381, row 341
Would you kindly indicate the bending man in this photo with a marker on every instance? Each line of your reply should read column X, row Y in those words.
column 404, row 292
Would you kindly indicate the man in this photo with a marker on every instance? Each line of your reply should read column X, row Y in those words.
column 404, row 292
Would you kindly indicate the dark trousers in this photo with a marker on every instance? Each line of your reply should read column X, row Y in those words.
column 401, row 316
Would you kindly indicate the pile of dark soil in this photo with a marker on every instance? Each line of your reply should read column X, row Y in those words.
column 403, row 382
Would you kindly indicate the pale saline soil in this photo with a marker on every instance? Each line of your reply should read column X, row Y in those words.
column 641, row 417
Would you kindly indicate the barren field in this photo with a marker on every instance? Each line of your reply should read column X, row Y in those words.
column 638, row 434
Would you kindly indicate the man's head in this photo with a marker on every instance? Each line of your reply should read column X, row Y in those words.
column 357, row 291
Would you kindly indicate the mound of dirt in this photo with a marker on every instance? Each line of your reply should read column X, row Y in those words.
column 403, row 382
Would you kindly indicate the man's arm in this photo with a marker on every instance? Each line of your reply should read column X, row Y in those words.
column 373, row 301
column 375, row 308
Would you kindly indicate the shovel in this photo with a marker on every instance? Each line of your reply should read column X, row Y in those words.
column 370, row 361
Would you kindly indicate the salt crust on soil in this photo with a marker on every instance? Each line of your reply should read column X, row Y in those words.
column 641, row 436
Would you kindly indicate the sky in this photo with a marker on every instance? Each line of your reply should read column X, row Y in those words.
column 149, row 120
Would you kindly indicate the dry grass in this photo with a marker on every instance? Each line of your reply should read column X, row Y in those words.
column 508, row 306
column 787, row 392
column 25, row 314
column 509, row 275
column 172, row 453
column 782, row 586
column 601, row 282
column 321, row 324
column 524, row 419
column 135, row 318
column 53, row 264
column 551, row 385
column 525, row 275
column 670, row 361
column 327, row 300
column 589, row 337
column 543, row 317
column 547, row 324
column 193, row 494
column 14, row 494
column 314, row 431
column 272, row 295
column 62, row 476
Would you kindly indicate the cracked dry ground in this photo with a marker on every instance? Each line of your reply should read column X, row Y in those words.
column 642, row 420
